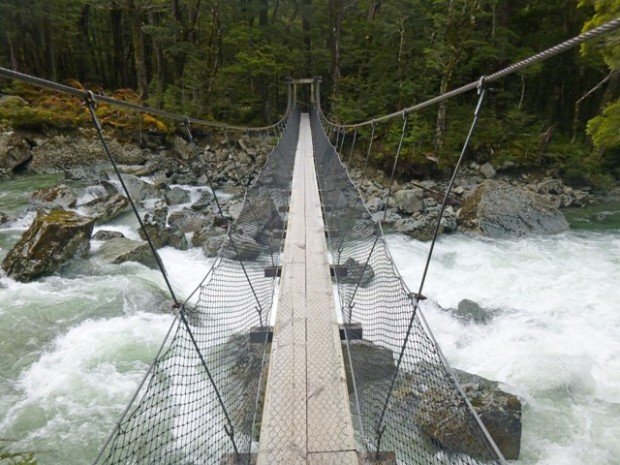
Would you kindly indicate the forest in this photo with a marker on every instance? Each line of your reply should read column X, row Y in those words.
column 228, row 60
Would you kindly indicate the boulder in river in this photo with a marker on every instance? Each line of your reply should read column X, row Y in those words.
column 106, row 235
column 106, row 208
column 499, row 410
column 139, row 189
column 186, row 221
column 120, row 250
column 52, row 239
column 471, row 312
column 436, row 408
column 176, row 196
column 54, row 197
column 497, row 209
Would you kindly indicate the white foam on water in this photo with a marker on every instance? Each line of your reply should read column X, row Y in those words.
column 555, row 340
column 186, row 269
column 81, row 384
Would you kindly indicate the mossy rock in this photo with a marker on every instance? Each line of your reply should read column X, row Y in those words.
column 52, row 239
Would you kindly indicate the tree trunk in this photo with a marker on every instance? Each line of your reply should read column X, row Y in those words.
column 263, row 14
column 335, row 14
column 11, row 51
column 305, row 27
column 440, row 127
column 118, row 63
column 137, row 39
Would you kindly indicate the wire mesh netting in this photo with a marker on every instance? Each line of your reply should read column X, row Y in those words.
column 199, row 402
column 416, row 409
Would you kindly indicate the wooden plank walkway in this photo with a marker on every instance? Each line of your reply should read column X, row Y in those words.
column 306, row 417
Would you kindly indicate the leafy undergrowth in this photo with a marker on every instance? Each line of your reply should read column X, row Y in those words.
column 31, row 108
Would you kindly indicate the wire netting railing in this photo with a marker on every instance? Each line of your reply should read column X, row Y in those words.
column 404, row 396
column 199, row 401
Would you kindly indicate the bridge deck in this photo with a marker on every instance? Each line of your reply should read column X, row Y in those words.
column 306, row 418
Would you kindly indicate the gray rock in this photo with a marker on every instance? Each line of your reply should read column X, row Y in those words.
column 487, row 170
column 186, row 221
column 4, row 218
column 120, row 250
column 242, row 248
column 357, row 273
column 186, row 177
column 500, row 411
column 105, row 208
column 141, row 190
column 374, row 204
column 550, row 186
column 459, row 190
column 235, row 208
column 410, row 200
column 89, row 173
column 52, row 239
column 422, row 228
column 212, row 244
column 429, row 202
column 105, row 235
column 497, row 209
column 177, row 239
column 204, row 202
column 54, row 197
column 426, row 405
column 14, row 151
column 160, row 236
column 469, row 311
column 176, row 196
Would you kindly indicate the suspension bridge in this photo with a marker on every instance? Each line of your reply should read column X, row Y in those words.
column 349, row 371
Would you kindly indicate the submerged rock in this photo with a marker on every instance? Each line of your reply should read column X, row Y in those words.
column 52, row 239
column 497, row 209
column 469, row 311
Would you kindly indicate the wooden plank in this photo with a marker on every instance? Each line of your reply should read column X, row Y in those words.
column 306, row 418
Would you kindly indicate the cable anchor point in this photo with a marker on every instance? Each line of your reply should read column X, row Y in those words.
column 90, row 100
column 481, row 84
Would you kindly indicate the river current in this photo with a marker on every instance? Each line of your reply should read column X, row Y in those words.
column 73, row 347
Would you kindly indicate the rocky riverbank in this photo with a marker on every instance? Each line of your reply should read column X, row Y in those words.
column 483, row 200
column 168, row 181
column 165, row 178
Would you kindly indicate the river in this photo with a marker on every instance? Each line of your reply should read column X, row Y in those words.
column 74, row 346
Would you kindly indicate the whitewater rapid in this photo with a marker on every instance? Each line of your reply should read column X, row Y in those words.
column 74, row 347
column 555, row 339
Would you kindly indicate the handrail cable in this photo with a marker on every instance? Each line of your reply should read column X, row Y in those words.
column 513, row 68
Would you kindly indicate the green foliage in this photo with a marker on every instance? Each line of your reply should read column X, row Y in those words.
column 605, row 129
column 229, row 60
column 30, row 108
